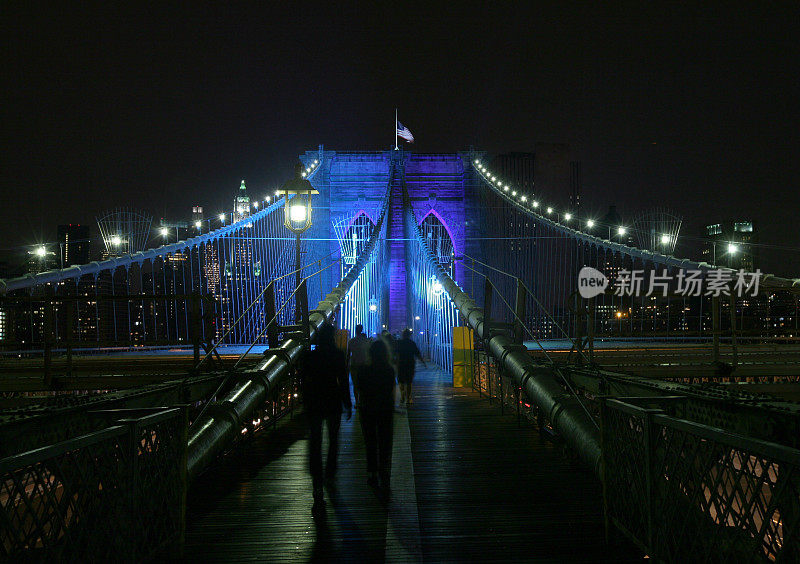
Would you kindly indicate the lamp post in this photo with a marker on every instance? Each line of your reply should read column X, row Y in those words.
column 297, row 213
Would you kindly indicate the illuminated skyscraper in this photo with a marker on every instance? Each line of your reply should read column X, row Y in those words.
column 74, row 244
column 730, row 244
column 241, row 205
column 211, row 267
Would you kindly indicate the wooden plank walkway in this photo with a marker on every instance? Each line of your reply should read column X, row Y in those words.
column 468, row 485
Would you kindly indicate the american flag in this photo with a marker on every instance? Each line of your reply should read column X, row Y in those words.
column 402, row 131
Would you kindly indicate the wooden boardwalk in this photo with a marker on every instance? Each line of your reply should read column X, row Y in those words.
column 468, row 485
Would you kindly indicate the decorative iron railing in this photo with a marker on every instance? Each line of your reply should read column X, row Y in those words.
column 112, row 495
column 687, row 492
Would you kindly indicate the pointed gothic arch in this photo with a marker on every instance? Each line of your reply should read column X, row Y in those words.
column 356, row 237
column 439, row 238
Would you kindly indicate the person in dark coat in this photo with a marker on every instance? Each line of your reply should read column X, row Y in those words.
column 326, row 393
column 376, row 412
column 407, row 353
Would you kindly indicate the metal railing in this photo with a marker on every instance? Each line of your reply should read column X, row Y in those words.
column 687, row 492
column 118, row 494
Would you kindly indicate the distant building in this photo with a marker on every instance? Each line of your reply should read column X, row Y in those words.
column 74, row 241
column 731, row 244
column 517, row 169
column 575, row 184
column 173, row 231
column 241, row 204
column 548, row 172
column 197, row 218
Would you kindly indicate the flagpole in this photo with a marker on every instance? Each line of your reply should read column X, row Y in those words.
column 395, row 129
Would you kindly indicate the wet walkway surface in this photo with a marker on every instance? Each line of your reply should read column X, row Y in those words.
column 467, row 485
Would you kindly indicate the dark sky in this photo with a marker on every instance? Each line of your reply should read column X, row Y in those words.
column 695, row 109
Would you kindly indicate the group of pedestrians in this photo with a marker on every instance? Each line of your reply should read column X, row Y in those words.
column 374, row 366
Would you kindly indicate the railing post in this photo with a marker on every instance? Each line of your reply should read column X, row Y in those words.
column 184, row 477
column 269, row 304
column 297, row 277
column 302, row 302
column 519, row 312
column 649, row 439
column 487, row 334
column 604, row 464
column 196, row 329
column 132, row 485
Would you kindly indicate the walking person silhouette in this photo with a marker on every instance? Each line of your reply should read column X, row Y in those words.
column 358, row 357
column 377, row 383
column 326, row 392
column 407, row 353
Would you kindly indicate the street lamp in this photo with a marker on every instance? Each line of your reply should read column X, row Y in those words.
column 297, row 213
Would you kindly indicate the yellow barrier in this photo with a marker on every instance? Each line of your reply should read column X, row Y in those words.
column 462, row 357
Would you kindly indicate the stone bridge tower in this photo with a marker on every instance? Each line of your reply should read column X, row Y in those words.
column 354, row 183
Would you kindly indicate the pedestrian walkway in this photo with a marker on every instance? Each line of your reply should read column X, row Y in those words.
column 468, row 485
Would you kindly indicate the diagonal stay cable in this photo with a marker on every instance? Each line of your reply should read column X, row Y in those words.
column 530, row 293
column 277, row 313
column 249, row 307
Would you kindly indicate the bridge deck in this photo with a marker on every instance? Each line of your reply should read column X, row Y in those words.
column 468, row 485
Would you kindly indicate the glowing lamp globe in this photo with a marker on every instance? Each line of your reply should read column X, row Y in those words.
column 297, row 209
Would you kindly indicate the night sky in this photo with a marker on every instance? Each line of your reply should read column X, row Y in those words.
column 694, row 109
